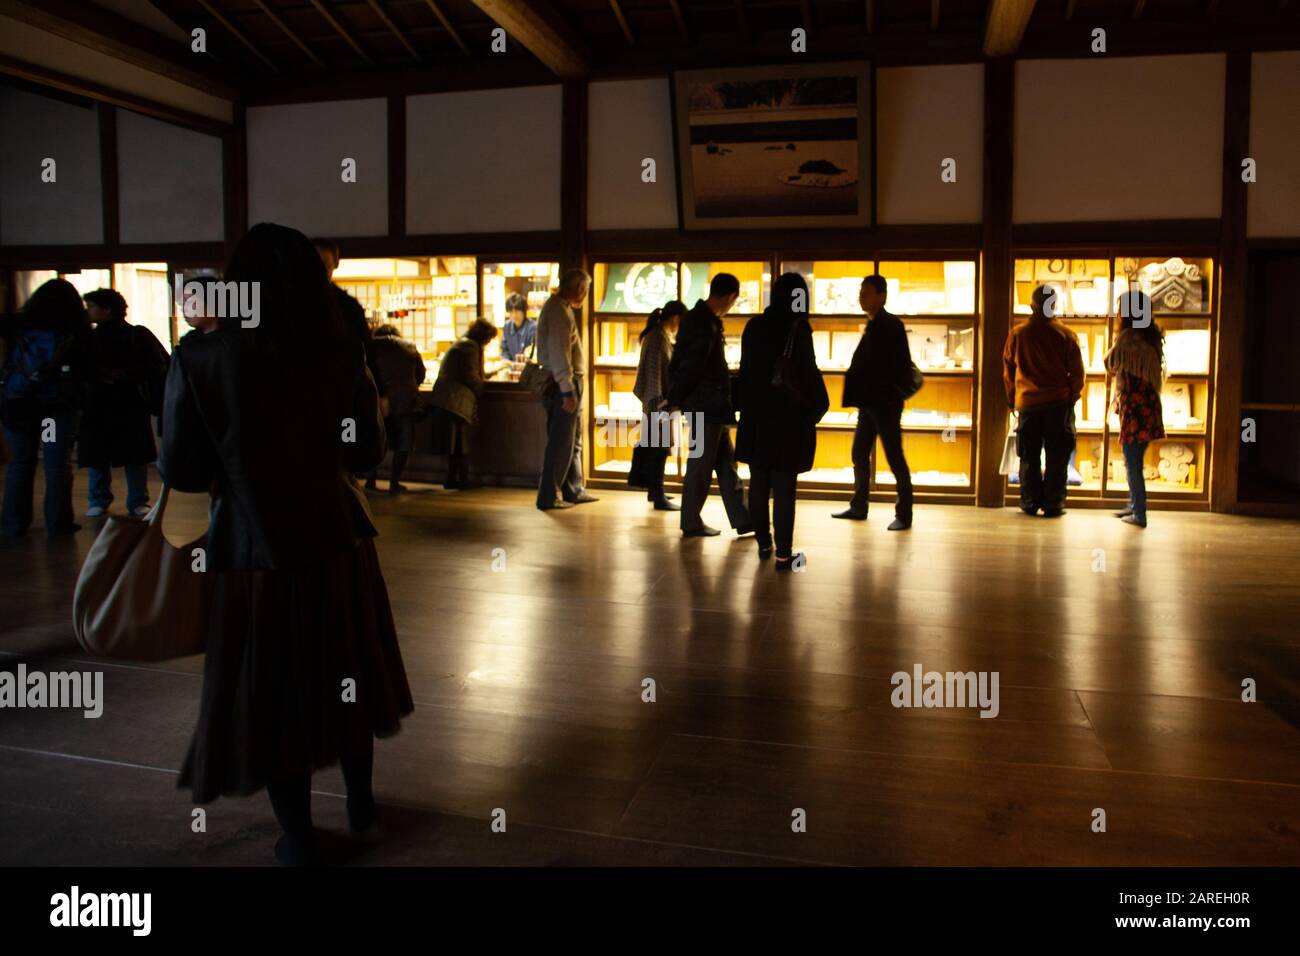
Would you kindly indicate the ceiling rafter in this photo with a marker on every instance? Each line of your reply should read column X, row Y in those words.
column 934, row 14
column 288, row 31
column 542, row 31
column 446, row 25
column 871, row 16
column 342, row 31
column 392, row 27
column 1005, row 26
column 238, row 34
column 681, row 21
column 622, row 22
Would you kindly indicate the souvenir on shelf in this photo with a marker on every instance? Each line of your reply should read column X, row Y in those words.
column 837, row 296
column 1187, row 351
column 1176, row 404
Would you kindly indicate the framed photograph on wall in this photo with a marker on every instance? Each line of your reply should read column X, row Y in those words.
column 774, row 147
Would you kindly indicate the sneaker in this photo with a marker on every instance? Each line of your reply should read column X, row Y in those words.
column 787, row 564
column 1135, row 520
column 559, row 505
column 898, row 524
column 96, row 511
column 764, row 552
column 584, row 499
column 1030, row 510
column 1123, row 514
column 667, row 504
column 1053, row 512
column 140, row 510
column 746, row 529
column 851, row 515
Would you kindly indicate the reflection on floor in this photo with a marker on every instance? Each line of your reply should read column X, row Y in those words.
column 1120, row 654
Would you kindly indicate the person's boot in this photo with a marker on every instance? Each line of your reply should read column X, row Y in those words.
column 395, row 480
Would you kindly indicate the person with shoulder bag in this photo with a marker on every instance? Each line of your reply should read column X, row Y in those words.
column 45, row 357
column 456, row 394
column 881, row 377
column 782, row 398
column 654, row 444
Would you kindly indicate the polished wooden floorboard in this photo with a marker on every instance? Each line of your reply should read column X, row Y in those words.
column 1120, row 654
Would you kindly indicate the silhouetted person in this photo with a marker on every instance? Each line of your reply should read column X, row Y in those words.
column 879, row 376
column 651, row 451
column 45, row 353
column 1137, row 361
column 1043, row 376
column 398, row 370
column 456, row 394
column 700, row 385
column 352, row 312
column 303, row 668
column 559, row 351
column 781, row 402
column 127, row 368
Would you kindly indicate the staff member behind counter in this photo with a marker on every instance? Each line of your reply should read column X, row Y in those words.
column 520, row 331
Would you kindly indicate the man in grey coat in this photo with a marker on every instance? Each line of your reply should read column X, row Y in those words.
column 559, row 351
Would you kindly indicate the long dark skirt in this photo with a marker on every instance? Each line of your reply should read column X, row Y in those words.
column 280, row 646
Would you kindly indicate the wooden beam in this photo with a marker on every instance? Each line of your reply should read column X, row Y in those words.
column 1005, row 26
column 681, row 21
column 341, row 30
column 234, row 31
column 995, row 276
column 1230, row 358
column 871, row 16
column 1138, row 7
column 573, row 175
column 446, row 25
column 388, row 22
column 105, row 32
column 1069, row 9
column 542, row 32
column 934, row 14
column 108, row 173
column 288, row 31
column 622, row 22
column 36, row 73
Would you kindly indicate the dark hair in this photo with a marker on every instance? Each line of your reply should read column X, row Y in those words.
column 297, row 314
column 1134, row 305
column 109, row 299
column 722, row 285
column 327, row 245
column 571, row 281
column 517, row 303
column 783, row 292
column 661, row 315
column 877, row 282
column 57, row 305
column 481, row 331
column 387, row 330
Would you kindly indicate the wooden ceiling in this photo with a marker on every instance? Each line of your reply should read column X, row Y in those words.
column 287, row 44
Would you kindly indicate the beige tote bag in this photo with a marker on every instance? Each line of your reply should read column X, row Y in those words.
column 139, row 598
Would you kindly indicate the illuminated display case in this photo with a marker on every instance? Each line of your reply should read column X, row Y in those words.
column 936, row 300
column 1184, row 306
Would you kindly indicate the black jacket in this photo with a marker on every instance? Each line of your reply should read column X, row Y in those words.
column 398, row 370
column 269, row 431
column 776, row 431
column 353, row 313
column 699, row 380
column 881, row 370
column 115, row 425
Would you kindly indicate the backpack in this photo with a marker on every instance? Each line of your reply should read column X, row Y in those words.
column 31, row 374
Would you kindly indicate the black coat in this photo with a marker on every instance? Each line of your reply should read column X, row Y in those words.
column 352, row 312
column 881, row 370
column 776, row 431
column 116, row 427
column 699, row 380
column 269, row 431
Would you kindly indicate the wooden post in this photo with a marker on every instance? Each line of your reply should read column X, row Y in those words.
column 1225, row 455
column 108, row 174
column 995, row 276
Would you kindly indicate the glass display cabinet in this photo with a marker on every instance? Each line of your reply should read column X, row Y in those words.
column 1183, row 306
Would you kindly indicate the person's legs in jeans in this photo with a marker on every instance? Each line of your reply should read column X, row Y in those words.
column 760, row 485
column 729, row 483
column 57, row 456
column 1058, row 440
column 889, row 421
column 864, row 445
column 137, row 486
column 1029, row 446
column 558, row 457
column 572, row 485
column 99, row 483
column 402, row 435
column 20, row 477
column 699, row 471
column 1137, row 483
column 783, row 492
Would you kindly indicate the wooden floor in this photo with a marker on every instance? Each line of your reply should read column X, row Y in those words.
column 1120, row 689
